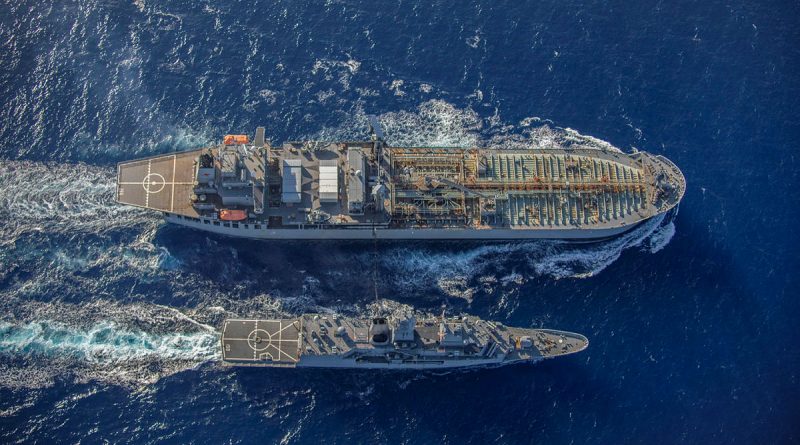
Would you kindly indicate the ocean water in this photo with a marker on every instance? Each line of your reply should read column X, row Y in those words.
column 109, row 318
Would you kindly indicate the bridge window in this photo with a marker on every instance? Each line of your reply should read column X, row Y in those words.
column 216, row 223
column 226, row 224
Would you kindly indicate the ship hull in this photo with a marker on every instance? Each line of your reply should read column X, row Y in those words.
column 330, row 362
column 496, row 234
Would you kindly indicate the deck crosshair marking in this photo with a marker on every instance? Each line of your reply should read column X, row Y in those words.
column 256, row 339
column 154, row 183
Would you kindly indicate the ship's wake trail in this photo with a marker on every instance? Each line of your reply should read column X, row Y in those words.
column 104, row 343
column 60, row 222
column 61, row 198
column 118, row 344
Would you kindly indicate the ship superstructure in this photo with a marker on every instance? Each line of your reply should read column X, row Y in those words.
column 330, row 341
column 366, row 189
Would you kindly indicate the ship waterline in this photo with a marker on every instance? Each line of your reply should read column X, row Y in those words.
column 367, row 190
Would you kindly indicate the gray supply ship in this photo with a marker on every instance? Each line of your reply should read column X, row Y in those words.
column 320, row 341
column 368, row 190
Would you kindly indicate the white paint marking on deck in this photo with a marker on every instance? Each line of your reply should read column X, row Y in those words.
column 255, row 352
column 172, row 195
column 165, row 183
column 276, row 343
column 146, row 189
column 153, row 183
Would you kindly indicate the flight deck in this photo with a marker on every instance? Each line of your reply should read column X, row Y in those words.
column 275, row 341
column 160, row 183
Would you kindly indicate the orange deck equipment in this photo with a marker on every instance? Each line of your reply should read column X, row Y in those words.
column 232, row 215
column 234, row 139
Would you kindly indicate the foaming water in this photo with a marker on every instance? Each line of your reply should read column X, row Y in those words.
column 659, row 238
column 435, row 123
column 438, row 123
column 455, row 272
column 121, row 344
column 589, row 260
column 57, row 197
column 61, row 223
column 104, row 343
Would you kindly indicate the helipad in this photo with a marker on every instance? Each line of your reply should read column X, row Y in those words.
column 159, row 183
column 276, row 341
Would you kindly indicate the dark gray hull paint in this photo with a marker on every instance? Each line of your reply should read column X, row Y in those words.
column 497, row 234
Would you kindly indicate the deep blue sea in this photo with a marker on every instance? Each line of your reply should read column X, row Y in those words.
column 109, row 318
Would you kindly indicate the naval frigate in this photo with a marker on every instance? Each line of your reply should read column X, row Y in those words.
column 370, row 190
column 330, row 341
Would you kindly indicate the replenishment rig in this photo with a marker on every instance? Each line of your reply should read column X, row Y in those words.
column 369, row 190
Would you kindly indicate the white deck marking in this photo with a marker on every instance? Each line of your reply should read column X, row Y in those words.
column 276, row 343
column 154, row 183
column 146, row 189
column 172, row 195
column 255, row 352
column 165, row 183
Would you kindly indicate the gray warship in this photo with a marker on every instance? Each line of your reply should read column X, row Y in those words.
column 369, row 190
column 330, row 341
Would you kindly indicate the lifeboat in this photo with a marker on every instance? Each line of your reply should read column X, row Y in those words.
column 234, row 139
column 232, row 215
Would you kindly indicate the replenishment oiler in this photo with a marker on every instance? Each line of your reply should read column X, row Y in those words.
column 329, row 341
column 369, row 190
